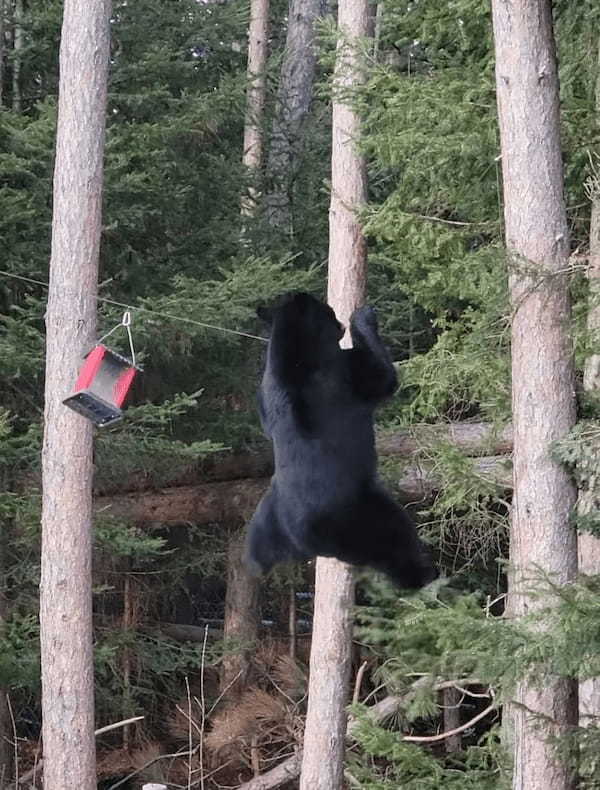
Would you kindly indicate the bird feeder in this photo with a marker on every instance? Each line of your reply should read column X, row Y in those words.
column 102, row 386
column 104, row 381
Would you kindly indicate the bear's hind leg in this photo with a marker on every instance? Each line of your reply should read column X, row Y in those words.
column 376, row 532
column 266, row 542
column 401, row 554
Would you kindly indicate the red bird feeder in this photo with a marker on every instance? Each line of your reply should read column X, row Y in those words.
column 103, row 383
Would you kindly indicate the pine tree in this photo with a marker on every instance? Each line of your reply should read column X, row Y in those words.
column 66, row 582
column 537, row 240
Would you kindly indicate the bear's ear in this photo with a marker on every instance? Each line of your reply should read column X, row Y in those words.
column 265, row 314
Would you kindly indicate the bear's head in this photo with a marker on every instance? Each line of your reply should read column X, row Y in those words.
column 301, row 311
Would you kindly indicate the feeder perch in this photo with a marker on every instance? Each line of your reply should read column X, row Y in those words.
column 103, row 383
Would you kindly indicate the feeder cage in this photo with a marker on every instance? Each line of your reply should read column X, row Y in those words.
column 103, row 383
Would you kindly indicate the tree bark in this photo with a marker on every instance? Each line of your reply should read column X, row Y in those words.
column 331, row 646
column 542, row 366
column 589, row 546
column 6, row 733
column 452, row 698
column 127, row 622
column 66, row 584
column 292, row 621
column 255, row 97
column 241, row 622
column 221, row 503
column 294, row 98
column 2, row 52
column 18, row 42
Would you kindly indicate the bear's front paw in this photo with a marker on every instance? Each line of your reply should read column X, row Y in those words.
column 364, row 317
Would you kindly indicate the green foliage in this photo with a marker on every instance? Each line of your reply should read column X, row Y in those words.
column 441, row 634
column 144, row 445
column 579, row 452
column 173, row 247
column 449, row 635
column 435, row 217
column 160, row 666
column 468, row 516
column 388, row 763
column 19, row 653
column 125, row 541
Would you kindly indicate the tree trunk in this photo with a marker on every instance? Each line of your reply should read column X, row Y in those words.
column 255, row 96
column 66, row 584
column 377, row 23
column 589, row 546
column 2, row 52
column 542, row 366
column 452, row 698
column 242, row 619
column 292, row 621
column 18, row 41
column 6, row 733
column 127, row 621
column 330, row 657
column 293, row 103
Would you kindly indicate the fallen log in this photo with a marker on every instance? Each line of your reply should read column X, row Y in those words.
column 191, row 633
column 284, row 772
column 234, row 501
column 473, row 438
column 228, row 502
column 417, row 483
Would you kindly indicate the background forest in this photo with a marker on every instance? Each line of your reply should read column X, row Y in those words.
column 182, row 636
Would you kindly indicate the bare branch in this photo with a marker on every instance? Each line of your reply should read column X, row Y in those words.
column 443, row 735
column 37, row 769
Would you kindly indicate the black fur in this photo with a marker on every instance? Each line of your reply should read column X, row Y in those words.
column 316, row 403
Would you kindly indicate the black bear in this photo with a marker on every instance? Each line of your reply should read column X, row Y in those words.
column 316, row 404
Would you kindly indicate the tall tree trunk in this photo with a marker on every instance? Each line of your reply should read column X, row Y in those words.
column 542, row 366
column 127, row 623
column 255, row 96
column 242, row 619
column 17, row 55
column 293, row 103
column 66, row 584
column 377, row 23
column 292, row 621
column 330, row 658
column 6, row 733
column 589, row 546
column 452, row 700
column 2, row 52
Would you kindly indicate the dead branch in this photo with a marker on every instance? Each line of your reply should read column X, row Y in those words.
column 37, row 769
column 358, row 682
column 443, row 735
column 284, row 772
